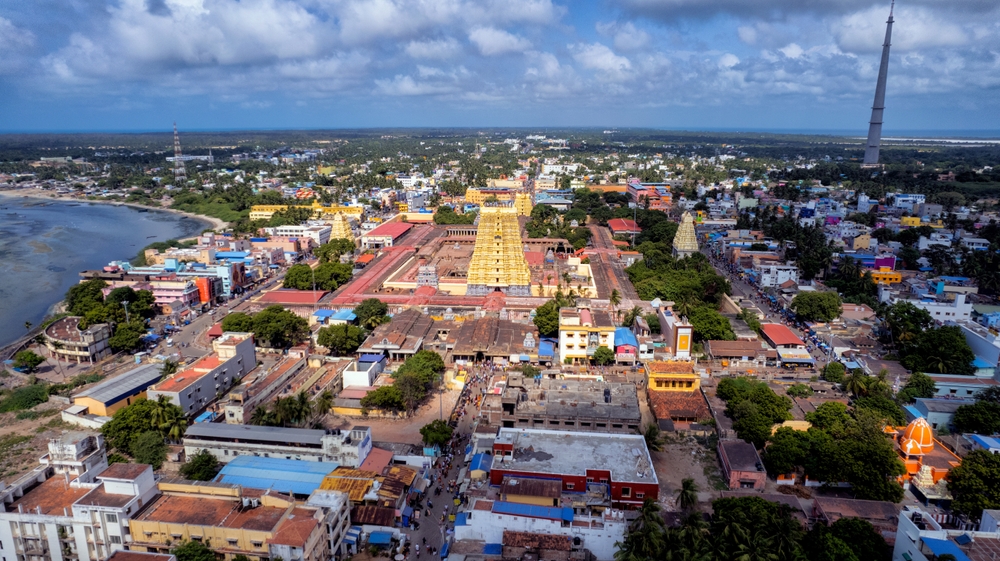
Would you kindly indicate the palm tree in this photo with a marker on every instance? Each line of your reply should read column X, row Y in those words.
column 631, row 315
column 303, row 407
column 261, row 416
column 323, row 403
column 856, row 383
column 27, row 326
column 652, row 437
column 176, row 424
column 169, row 367
column 687, row 495
column 646, row 537
column 284, row 411
column 159, row 414
column 614, row 299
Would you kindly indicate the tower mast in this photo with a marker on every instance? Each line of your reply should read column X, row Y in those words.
column 180, row 173
column 878, row 107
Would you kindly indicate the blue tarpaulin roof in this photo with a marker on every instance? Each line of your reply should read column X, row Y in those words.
column 288, row 476
column 624, row 336
column 380, row 538
column 444, row 550
column 205, row 417
column 940, row 547
column 534, row 511
column 546, row 349
column 493, row 549
column 371, row 358
column 980, row 363
column 324, row 313
column 481, row 461
column 461, row 518
column 345, row 315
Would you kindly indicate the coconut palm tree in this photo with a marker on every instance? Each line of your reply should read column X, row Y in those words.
column 303, row 407
column 652, row 437
column 176, row 424
column 261, row 416
column 687, row 495
column 856, row 383
column 631, row 315
column 614, row 299
column 159, row 415
column 168, row 367
column 322, row 404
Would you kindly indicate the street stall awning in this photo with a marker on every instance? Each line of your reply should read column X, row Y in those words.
column 795, row 356
column 380, row 538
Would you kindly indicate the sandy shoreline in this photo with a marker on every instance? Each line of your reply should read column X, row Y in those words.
column 214, row 223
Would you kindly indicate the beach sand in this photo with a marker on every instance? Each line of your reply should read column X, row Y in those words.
column 216, row 223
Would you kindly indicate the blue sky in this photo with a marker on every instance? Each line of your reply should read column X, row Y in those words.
column 723, row 64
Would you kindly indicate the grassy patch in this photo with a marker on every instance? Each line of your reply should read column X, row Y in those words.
column 32, row 415
column 24, row 398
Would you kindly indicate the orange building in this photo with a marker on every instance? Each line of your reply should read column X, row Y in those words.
column 927, row 461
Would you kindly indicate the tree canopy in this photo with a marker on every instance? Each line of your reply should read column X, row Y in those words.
column 203, row 466
column 547, row 318
column 816, row 306
column 274, row 325
column 327, row 276
column 341, row 340
column 436, row 433
column 975, row 484
column 371, row 312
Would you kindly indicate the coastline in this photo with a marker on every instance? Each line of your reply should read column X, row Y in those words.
column 214, row 223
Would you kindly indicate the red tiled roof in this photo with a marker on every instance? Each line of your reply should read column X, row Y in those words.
column 674, row 405
column 393, row 229
column 377, row 460
column 292, row 297
column 778, row 334
column 623, row 225
column 366, row 258
column 296, row 529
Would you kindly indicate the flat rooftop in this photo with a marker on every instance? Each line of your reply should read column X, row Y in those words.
column 572, row 398
column 180, row 381
column 275, row 435
column 625, row 456
column 112, row 390
column 210, row 511
column 50, row 497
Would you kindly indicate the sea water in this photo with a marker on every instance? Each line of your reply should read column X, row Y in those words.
column 45, row 244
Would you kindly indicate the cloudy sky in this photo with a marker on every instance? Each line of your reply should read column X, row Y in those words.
column 721, row 64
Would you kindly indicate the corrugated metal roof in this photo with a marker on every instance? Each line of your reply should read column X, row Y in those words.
column 114, row 389
column 277, row 435
column 534, row 511
column 482, row 462
column 289, row 476
column 624, row 336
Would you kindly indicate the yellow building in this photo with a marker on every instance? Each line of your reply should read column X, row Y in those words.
column 340, row 227
column 230, row 520
column 677, row 376
column 863, row 241
column 498, row 261
column 265, row 212
column 909, row 221
column 885, row 275
column 582, row 331
column 325, row 170
column 116, row 393
column 521, row 201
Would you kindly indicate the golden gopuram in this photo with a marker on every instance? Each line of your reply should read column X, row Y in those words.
column 498, row 261
column 685, row 241
column 340, row 227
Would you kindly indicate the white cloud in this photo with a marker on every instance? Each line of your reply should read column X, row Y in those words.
column 791, row 50
column 915, row 29
column 626, row 36
column 433, row 49
column 15, row 44
column 599, row 57
column 728, row 60
column 492, row 41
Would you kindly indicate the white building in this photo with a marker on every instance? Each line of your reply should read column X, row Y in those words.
column 73, row 507
column 319, row 232
column 225, row 442
column 908, row 201
column 919, row 537
column 864, row 203
column 936, row 238
column 487, row 521
column 773, row 275
column 944, row 309
column 198, row 384
column 981, row 244
column 336, row 505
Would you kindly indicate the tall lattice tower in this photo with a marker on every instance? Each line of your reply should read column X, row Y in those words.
column 498, row 261
column 180, row 173
column 878, row 107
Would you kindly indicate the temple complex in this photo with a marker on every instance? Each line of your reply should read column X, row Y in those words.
column 519, row 200
column 927, row 461
column 340, row 227
column 498, row 261
column 685, row 241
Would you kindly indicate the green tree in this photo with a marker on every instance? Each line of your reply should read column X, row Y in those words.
column 387, row 398
column 975, row 483
column 278, row 327
column 710, row 325
column 193, row 551
column 799, row 390
column 83, row 297
column 646, row 536
column 333, row 249
column 834, row 372
column 787, row 450
column 687, row 494
column 904, row 322
column 371, row 312
column 919, row 385
column 604, row 356
column 341, row 339
column 128, row 336
column 149, row 448
column 547, row 318
column 654, row 441
column 817, row 306
column 863, row 539
column 27, row 361
column 941, row 351
column 830, row 416
column 436, row 433
column 203, row 466
column 127, row 424
column 238, row 322
column 981, row 417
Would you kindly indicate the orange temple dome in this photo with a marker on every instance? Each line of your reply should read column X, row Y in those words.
column 920, row 433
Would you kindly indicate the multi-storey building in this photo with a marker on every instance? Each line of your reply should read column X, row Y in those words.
column 66, row 340
column 582, row 331
column 318, row 232
column 225, row 442
column 197, row 385
column 73, row 507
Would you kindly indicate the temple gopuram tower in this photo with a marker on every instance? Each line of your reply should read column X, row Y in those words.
column 685, row 241
column 498, row 261
column 340, row 227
